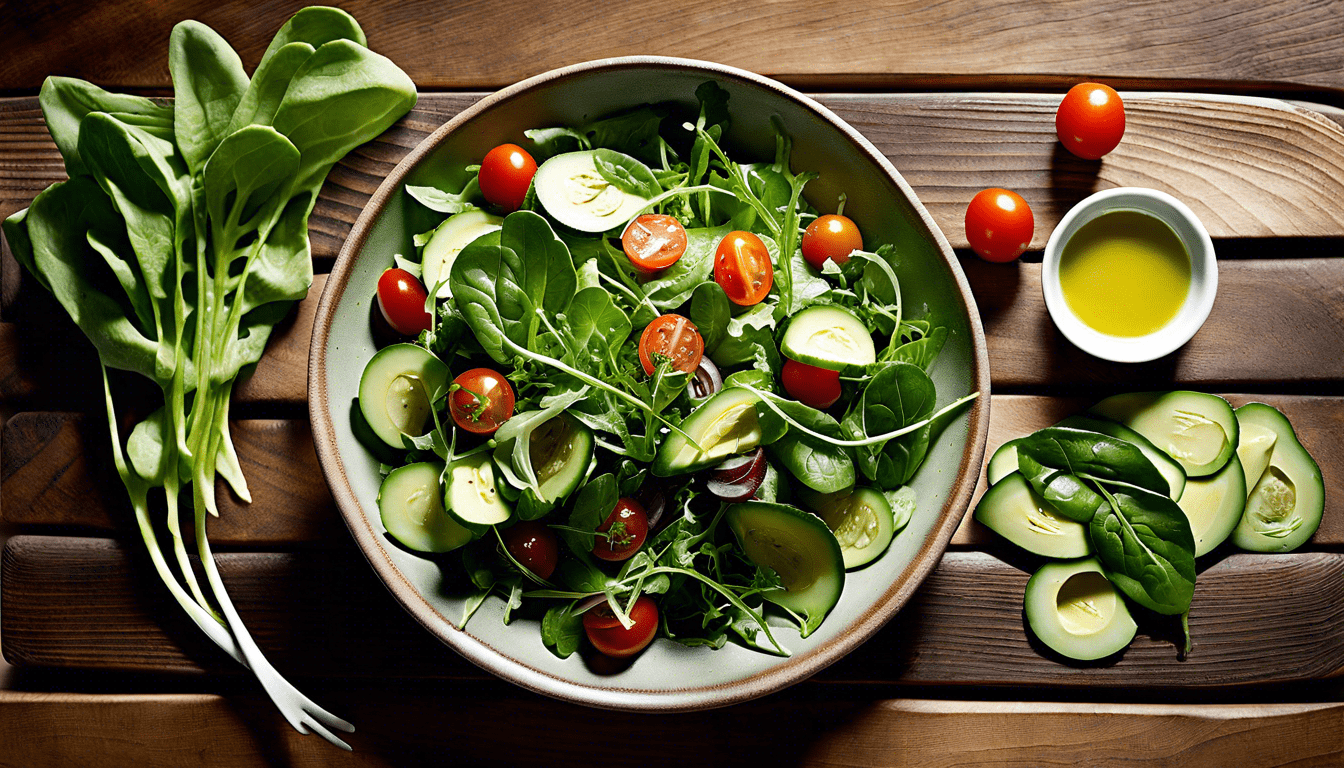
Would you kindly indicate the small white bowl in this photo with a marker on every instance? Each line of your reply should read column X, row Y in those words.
column 1203, row 276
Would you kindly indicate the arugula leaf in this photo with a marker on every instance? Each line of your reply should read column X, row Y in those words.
column 597, row 327
column 922, row 351
column 1144, row 541
column 443, row 201
column 626, row 173
column 513, row 442
column 750, row 338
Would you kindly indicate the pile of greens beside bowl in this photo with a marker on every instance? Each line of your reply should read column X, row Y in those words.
column 619, row 452
column 181, row 239
column 1128, row 496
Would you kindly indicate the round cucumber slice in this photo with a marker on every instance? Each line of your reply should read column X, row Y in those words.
column 572, row 191
column 1214, row 505
column 397, row 389
column 828, row 337
column 448, row 240
column 1072, row 608
column 1012, row 509
column 1196, row 429
column 799, row 547
column 412, row 509
column 1286, row 504
column 472, row 497
column 860, row 518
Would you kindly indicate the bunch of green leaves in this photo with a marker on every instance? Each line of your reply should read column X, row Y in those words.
column 180, row 239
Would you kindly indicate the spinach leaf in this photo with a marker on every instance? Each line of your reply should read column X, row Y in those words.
column 1144, row 541
column 443, row 201
column 208, row 84
column 710, row 312
column 315, row 26
column 897, row 396
column 922, row 351
column 1092, row 455
column 562, row 630
column 1065, row 493
column 591, row 507
column 820, row 465
column 672, row 287
column 548, row 142
column 750, row 337
column 626, row 173
column 597, row 326
column 66, row 102
column 635, row 133
column 269, row 83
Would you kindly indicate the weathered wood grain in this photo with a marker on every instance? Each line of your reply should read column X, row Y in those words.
column 474, row 45
column 76, row 602
column 57, row 471
column 281, row 376
column 1318, row 421
column 802, row 729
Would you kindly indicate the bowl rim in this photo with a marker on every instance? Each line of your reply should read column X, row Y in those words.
column 1199, row 302
column 796, row 668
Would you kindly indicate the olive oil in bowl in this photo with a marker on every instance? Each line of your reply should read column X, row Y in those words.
column 1125, row 273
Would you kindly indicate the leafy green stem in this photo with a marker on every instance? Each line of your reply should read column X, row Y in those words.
column 766, row 398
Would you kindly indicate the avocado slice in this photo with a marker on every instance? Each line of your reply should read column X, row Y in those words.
column 1254, row 447
column 1285, row 506
column 828, row 337
column 412, row 511
column 1004, row 461
column 1073, row 609
column 861, row 519
column 397, row 390
column 1013, row 510
column 799, row 547
column 560, row 450
column 572, row 191
column 725, row 425
column 1196, row 429
column 1214, row 505
column 448, row 240
column 472, row 498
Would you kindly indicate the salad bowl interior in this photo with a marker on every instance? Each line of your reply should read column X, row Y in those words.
column 667, row 676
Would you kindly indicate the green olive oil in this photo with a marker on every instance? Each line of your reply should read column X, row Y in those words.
column 1125, row 273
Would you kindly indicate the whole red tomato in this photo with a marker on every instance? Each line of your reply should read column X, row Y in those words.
column 999, row 224
column 607, row 635
column 1091, row 120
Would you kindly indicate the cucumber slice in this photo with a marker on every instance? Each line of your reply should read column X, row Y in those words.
column 1214, row 505
column 397, row 389
column 1254, row 447
column 412, row 509
column 1003, row 463
column 828, row 337
column 472, row 497
column 1073, row 609
column 1196, row 429
column 799, row 547
column 725, row 425
column 448, row 240
column 861, row 519
column 1285, row 506
column 572, row 191
column 1012, row 509
column 1169, row 468
column 560, row 450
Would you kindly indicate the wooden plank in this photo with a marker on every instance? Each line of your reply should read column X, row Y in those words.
column 90, row 603
column 1318, row 421
column 49, row 478
column 180, row 730
column 888, row 42
column 281, row 376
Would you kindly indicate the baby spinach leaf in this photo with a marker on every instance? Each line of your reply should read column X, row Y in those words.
column 597, row 325
column 315, row 26
column 443, row 201
column 626, row 173
column 922, row 351
column 1144, row 541
column 562, row 630
column 897, row 396
column 671, row 288
column 592, row 506
column 634, row 132
column 710, row 312
column 548, row 142
column 208, row 84
column 1092, row 455
column 269, row 83
column 820, row 465
column 1065, row 493
column 66, row 102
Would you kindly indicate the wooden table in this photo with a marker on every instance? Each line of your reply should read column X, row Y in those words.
column 1233, row 106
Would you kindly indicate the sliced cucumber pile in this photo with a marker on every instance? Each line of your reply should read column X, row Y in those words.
column 1013, row 510
column 1198, row 430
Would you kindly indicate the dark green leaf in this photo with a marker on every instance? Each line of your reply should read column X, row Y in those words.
column 710, row 313
column 626, row 173
column 1065, row 493
column 1144, row 541
column 561, row 630
column 1090, row 454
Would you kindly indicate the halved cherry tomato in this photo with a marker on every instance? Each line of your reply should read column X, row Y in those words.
column 506, row 173
column 742, row 267
column 831, row 237
column 626, row 527
column 810, row 385
column 481, row 402
column 999, row 224
column 1091, row 120
column 401, row 298
column 534, row 545
column 607, row 635
column 654, row 241
column 673, row 336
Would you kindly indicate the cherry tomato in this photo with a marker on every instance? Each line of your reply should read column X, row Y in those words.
column 626, row 527
column 675, row 337
column 742, row 267
column 607, row 635
column 534, row 545
column 654, row 241
column 831, row 237
column 401, row 298
column 482, row 402
column 999, row 224
column 810, row 385
column 1090, row 120
column 506, row 173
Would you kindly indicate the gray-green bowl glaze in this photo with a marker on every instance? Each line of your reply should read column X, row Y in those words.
column 667, row 676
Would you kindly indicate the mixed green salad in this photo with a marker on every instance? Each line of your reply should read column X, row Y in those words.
column 685, row 399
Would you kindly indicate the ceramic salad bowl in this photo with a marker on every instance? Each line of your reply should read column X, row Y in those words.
column 667, row 676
